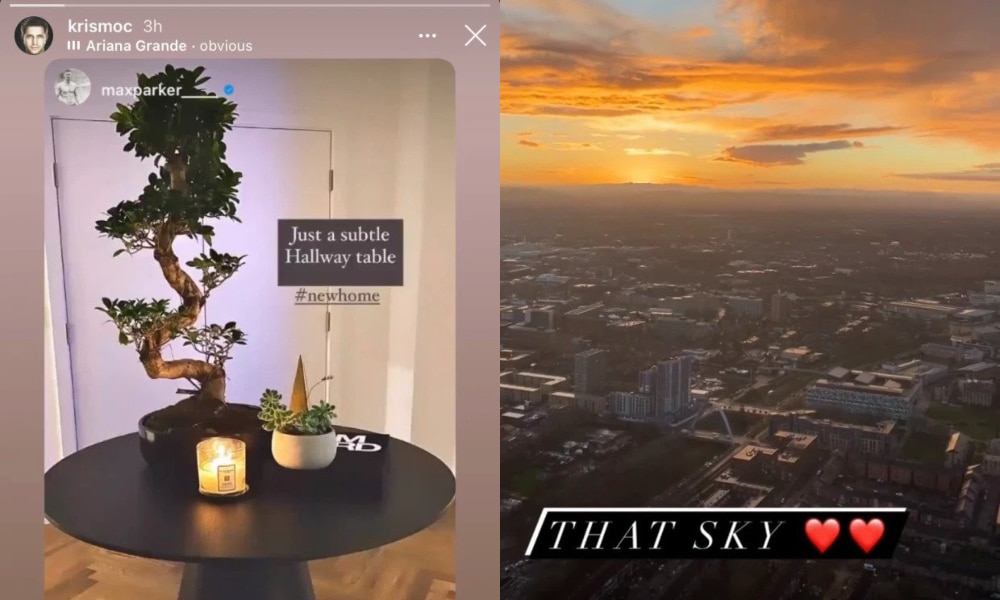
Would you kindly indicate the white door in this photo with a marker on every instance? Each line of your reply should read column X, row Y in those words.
column 285, row 176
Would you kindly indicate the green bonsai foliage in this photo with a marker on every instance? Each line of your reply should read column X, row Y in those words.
column 315, row 420
column 191, row 184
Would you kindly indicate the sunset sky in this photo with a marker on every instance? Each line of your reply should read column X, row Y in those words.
column 871, row 94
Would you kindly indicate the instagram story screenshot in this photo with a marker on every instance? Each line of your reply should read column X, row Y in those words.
column 750, row 300
column 251, row 324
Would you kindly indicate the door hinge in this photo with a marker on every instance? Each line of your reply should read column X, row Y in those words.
column 331, row 180
column 67, row 333
column 55, row 174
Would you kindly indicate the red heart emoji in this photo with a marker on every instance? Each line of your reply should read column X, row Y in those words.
column 866, row 535
column 822, row 535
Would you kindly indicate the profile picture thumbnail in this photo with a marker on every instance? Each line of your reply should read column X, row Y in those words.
column 33, row 35
column 72, row 87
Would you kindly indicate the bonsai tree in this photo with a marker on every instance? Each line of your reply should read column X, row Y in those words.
column 190, row 185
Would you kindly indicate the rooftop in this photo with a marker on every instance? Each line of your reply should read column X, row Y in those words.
column 979, row 367
column 913, row 368
column 513, row 355
column 795, row 441
column 894, row 384
column 524, row 380
column 750, row 452
column 540, row 308
column 576, row 396
column 884, row 427
column 627, row 323
column 973, row 313
column 788, row 458
column 583, row 310
column 928, row 305
column 800, row 351
column 552, row 278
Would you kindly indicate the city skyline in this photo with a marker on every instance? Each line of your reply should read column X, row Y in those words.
column 752, row 94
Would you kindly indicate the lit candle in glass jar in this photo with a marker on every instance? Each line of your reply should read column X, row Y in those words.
column 222, row 467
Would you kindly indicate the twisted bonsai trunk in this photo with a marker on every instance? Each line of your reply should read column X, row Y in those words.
column 211, row 378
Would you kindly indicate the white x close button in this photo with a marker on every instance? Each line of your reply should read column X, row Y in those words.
column 475, row 35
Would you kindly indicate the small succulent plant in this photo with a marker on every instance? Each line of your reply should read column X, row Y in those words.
column 315, row 420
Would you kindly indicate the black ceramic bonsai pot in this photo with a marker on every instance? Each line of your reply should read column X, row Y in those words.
column 172, row 455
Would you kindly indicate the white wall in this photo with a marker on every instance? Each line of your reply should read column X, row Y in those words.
column 393, row 129
column 53, row 430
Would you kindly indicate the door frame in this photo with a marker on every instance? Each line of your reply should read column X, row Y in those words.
column 53, row 249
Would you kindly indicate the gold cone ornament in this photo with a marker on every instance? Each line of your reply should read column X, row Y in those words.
column 299, row 402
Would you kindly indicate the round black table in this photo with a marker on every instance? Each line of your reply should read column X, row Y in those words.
column 255, row 547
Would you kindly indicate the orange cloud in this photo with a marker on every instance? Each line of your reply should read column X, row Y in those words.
column 696, row 33
column 930, row 64
column 774, row 155
column 572, row 79
column 949, row 39
column 981, row 173
column 771, row 133
column 578, row 146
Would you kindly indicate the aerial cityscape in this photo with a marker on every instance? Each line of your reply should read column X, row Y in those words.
column 751, row 258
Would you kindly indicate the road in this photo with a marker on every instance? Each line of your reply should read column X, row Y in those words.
column 683, row 573
column 714, row 436
column 781, row 578
column 678, row 495
column 754, row 409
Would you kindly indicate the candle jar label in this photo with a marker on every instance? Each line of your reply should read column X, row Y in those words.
column 221, row 467
column 227, row 478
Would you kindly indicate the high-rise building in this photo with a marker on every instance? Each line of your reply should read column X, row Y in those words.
column 747, row 307
column 781, row 308
column 669, row 384
column 631, row 406
column 590, row 372
column 540, row 318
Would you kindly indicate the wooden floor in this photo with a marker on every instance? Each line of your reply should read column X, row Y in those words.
column 421, row 567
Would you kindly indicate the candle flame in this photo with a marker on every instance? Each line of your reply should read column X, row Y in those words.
column 222, row 455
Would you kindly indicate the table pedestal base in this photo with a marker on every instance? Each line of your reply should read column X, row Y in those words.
column 246, row 580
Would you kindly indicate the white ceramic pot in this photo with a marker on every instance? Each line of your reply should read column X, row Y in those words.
column 304, row 452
